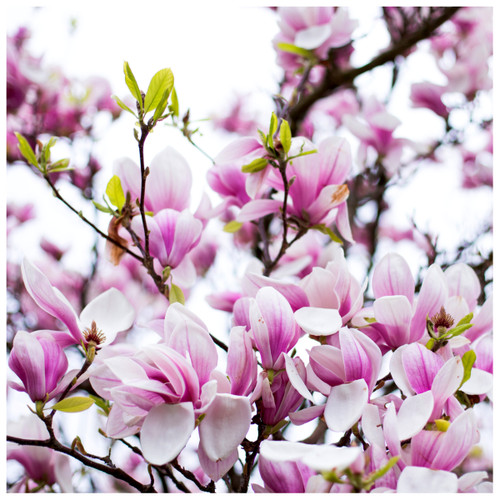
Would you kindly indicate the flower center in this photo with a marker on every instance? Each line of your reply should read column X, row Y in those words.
column 442, row 320
column 93, row 336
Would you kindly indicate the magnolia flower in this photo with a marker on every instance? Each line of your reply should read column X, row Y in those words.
column 99, row 322
column 168, row 183
column 40, row 363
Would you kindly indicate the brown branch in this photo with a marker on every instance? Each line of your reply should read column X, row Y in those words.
column 334, row 79
column 55, row 445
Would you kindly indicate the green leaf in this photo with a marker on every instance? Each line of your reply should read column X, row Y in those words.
column 233, row 226
column 174, row 102
column 26, row 150
column 273, row 126
column 122, row 104
column 465, row 319
column 304, row 153
column 263, row 137
column 293, row 49
column 102, row 208
column 468, row 360
column 161, row 106
column 326, row 230
column 382, row 471
column 132, row 84
column 458, row 330
column 255, row 166
column 47, row 147
column 73, row 405
column 115, row 193
column 59, row 165
column 161, row 83
column 285, row 136
column 101, row 403
column 176, row 294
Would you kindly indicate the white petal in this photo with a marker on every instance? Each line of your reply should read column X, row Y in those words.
column 372, row 426
column 423, row 480
column 414, row 414
column 313, row 37
column 165, row 432
column 345, row 405
column 328, row 457
column 318, row 320
column 225, row 425
column 111, row 311
column 296, row 379
column 480, row 382
column 283, row 451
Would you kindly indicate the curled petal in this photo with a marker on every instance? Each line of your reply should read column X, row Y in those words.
column 318, row 320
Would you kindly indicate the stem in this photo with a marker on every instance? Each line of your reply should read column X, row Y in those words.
column 334, row 79
column 55, row 445
column 84, row 219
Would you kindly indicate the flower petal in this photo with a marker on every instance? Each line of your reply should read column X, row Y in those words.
column 318, row 320
column 414, row 414
column 424, row 480
column 225, row 425
column 345, row 405
column 112, row 313
column 166, row 431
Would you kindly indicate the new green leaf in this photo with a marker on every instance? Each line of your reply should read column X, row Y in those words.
column 468, row 360
column 285, row 136
column 176, row 294
column 293, row 49
column 174, row 102
column 161, row 84
column 233, row 226
column 255, row 166
column 122, row 104
column 115, row 193
column 73, row 405
column 132, row 83
column 26, row 151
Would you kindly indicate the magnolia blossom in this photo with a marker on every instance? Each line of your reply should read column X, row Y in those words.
column 40, row 363
column 100, row 321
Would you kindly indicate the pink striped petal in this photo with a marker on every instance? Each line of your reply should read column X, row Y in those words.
column 295, row 379
column 216, row 469
column 49, row 298
column 237, row 149
column 463, row 281
column 256, row 209
column 446, row 383
column 392, row 276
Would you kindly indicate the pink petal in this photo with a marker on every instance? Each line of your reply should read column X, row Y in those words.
column 446, row 383
column 480, row 382
column 166, row 431
column 225, row 425
column 216, row 469
column 328, row 457
column 49, row 298
column 306, row 415
column 421, row 366
column 463, row 281
column 392, row 276
column 237, row 149
column 169, row 181
column 345, row 405
column 255, row 209
column 313, row 37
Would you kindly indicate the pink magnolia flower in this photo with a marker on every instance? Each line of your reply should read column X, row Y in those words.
column 100, row 320
column 346, row 372
column 241, row 362
column 283, row 477
column 164, row 388
column 168, row 184
column 42, row 465
column 172, row 235
column 429, row 95
column 312, row 28
column 40, row 363
column 274, row 328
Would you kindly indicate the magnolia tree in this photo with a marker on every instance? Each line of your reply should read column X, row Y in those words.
column 358, row 351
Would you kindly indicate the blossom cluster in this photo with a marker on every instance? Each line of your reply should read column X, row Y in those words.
column 325, row 382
